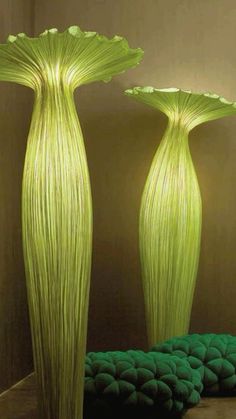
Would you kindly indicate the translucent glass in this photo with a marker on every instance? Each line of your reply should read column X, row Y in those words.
column 171, row 211
column 56, row 201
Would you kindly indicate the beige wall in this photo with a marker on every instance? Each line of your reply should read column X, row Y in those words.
column 189, row 44
column 15, row 108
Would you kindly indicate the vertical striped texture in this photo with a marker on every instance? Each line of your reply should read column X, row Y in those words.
column 170, row 228
column 56, row 201
column 57, row 231
column 170, row 214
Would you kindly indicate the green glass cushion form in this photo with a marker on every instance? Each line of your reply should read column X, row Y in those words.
column 133, row 380
column 212, row 355
column 56, row 201
column 171, row 210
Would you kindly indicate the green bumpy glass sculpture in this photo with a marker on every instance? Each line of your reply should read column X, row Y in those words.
column 135, row 384
column 170, row 215
column 212, row 355
column 56, row 201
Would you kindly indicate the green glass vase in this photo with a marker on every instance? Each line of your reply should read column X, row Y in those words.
column 56, row 201
column 171, row 210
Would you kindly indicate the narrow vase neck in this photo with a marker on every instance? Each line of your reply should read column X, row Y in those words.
column 176, row 133
column 55, row 109
column 53, row 93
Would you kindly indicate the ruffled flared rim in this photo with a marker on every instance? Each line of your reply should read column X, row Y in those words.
column 81, row 56
column 192, row 107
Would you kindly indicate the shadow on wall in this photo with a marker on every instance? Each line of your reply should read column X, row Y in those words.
column 213, row 149
column 15, row 354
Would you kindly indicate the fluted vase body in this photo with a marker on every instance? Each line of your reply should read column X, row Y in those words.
column 171, row 210
column 56, row 201
column 170, row 231
column 57, row 233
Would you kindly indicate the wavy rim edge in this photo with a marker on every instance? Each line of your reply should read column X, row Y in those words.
column 73, row 31
column 169, row 90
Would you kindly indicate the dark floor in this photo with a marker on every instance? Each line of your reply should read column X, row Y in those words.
column 20, row 403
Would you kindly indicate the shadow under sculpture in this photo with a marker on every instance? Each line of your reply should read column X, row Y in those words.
column 171, row 210
column 56, row 201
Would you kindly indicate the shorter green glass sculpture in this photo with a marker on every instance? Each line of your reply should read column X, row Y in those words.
column 212, row 355
column 127, row 383
column 171, row 213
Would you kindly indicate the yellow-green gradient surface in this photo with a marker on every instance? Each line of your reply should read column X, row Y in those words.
column 56, row 201
column 171, row 212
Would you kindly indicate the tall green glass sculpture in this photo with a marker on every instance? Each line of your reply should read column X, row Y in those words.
column 170, row 215
column 56, row 201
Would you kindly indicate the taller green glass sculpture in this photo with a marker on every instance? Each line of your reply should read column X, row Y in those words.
column 170, row 215
column 56, row 201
